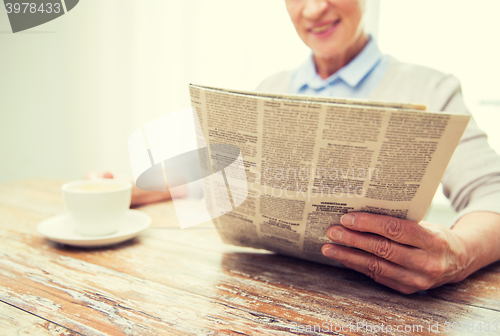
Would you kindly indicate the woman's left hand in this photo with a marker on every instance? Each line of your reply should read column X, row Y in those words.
column 403, row 255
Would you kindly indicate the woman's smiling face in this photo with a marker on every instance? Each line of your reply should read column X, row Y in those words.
column 328, row 27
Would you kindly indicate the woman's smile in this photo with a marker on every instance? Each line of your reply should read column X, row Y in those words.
column 323, row 29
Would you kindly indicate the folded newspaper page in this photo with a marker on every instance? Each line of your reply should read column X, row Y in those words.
column 309, row 160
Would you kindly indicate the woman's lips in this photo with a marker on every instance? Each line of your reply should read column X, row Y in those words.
column 324, row 29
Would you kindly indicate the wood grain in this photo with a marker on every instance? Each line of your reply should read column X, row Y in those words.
column 178, row 282
column 14, row 321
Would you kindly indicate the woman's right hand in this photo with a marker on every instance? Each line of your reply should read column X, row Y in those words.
column 139, row 197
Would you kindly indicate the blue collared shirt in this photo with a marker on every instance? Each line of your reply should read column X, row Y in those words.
column 355, row 80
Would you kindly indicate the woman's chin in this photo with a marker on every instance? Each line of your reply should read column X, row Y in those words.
column 332, row 51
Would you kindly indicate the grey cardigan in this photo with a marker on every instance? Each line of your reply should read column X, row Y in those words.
column 472, row 179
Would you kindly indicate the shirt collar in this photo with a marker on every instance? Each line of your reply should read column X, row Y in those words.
column 352, row 74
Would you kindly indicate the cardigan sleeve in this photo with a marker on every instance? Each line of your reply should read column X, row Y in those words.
column 472, row 179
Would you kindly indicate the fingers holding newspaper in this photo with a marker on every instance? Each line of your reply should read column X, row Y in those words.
column 401, row 254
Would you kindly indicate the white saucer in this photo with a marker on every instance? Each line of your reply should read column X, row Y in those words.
column 61, row 230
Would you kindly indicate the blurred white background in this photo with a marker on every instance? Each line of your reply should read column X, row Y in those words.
column 72, row 90
column 75, row 88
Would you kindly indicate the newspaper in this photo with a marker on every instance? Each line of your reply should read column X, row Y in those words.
column 309, row 160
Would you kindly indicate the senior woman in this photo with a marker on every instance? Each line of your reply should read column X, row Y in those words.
column 400, row 254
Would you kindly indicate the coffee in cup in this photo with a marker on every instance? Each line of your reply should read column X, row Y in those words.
column 97, row 207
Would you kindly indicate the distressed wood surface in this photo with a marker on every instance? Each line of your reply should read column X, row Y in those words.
column 14, row 321
column 180, row 282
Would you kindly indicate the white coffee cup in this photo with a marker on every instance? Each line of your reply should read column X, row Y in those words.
column 98, row 206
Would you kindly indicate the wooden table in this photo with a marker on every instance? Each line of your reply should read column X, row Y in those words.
column 183, row 282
